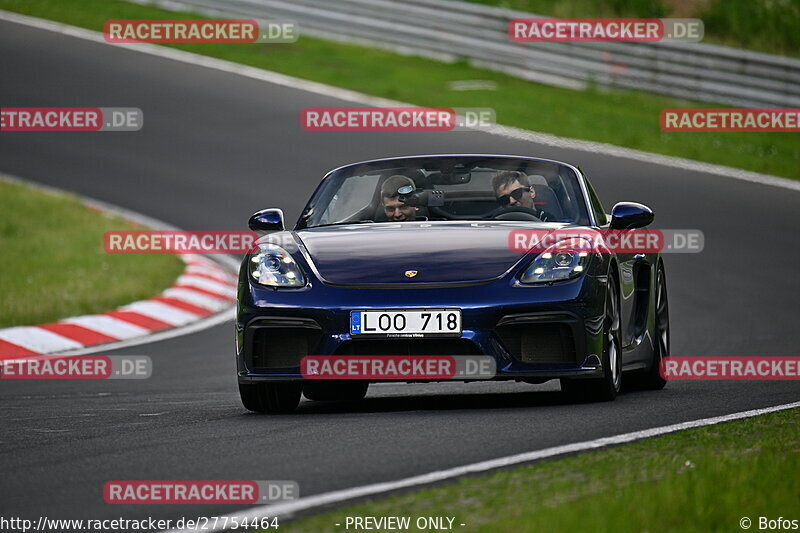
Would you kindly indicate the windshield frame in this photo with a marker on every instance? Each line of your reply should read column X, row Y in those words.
column 322, row 190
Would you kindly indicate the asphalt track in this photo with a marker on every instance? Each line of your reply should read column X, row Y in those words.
column 216, row 147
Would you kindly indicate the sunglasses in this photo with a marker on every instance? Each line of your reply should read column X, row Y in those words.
column 516, row 194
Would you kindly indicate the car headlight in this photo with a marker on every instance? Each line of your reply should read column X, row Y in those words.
column 274, row 267
column 566, row 259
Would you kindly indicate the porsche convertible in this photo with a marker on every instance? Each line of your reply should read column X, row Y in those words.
column 411, row 257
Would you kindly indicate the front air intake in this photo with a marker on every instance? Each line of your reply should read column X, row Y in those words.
column 279, row 347
column 547, row 344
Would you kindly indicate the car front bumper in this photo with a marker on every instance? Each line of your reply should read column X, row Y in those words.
column 534, row 333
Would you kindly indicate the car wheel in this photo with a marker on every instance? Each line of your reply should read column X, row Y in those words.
column 652, row 379
column 271, row 397
column 605, row 388
column 325, row 391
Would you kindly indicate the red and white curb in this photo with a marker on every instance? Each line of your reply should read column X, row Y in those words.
column 204, row 289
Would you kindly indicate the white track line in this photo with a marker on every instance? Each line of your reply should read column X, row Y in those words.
column 364, row 99
column 288, row 509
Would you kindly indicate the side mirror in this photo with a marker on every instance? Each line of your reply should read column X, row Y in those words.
column 630, row 215
column 266, row 220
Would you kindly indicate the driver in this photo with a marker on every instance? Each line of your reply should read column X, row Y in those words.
column 397, row 211
column 513, row 189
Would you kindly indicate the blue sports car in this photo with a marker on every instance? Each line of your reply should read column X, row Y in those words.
column 433, row 256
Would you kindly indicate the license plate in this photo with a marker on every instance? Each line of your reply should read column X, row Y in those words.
column 406, row 323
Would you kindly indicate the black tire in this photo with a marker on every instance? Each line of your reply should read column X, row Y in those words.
column 280, row 397
column 327, row 391
column 603, row 389
column 652, row 379
column 252, row 397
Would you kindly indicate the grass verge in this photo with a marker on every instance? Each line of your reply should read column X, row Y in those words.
column 623, row 118
column 54, row 264
column 772, row 27
column 702, row 480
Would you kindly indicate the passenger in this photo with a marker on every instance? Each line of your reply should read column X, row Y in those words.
column 397, row 211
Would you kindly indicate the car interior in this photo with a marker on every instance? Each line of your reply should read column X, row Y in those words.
column 460, row 194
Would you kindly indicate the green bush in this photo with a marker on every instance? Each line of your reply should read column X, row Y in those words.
column 767, row 25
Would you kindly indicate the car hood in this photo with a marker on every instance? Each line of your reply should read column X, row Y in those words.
column 438, row 252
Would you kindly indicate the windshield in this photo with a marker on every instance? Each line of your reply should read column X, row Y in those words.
column 448, row 188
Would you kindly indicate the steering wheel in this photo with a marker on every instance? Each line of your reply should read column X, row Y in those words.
column 527, row 212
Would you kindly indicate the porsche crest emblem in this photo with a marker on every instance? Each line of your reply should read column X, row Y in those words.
column 411, row 273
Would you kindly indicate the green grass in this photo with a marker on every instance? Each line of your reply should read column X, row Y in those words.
column 618, row 117
column 702, row 480
column 54, row 265
column 767, row 26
